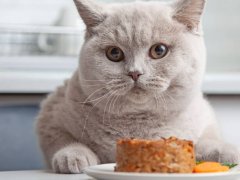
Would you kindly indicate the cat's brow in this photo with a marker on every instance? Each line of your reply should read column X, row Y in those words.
column 135, row 36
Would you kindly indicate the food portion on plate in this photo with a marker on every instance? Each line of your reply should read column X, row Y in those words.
column 170, row 155
column 155, row 156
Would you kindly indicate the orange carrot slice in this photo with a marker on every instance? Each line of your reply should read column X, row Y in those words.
column 207, row 167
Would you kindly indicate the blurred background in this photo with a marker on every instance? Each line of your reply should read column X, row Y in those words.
column 39, row 47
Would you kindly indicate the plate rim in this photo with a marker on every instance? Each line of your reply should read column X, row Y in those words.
column 90, row 171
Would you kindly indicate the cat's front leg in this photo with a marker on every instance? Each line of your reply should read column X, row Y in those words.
column 73, row 159
column 211, row 148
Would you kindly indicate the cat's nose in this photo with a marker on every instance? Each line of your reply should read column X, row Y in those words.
column 134, row 75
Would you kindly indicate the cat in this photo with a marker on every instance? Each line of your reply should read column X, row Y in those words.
column 140, row 73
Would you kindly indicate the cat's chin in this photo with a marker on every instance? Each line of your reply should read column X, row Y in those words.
column 138, row 96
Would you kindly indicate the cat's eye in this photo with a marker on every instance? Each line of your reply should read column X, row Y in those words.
column 114, row 54
column 158, row 51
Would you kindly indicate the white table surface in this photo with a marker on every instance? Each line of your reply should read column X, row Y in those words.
column 40, row 175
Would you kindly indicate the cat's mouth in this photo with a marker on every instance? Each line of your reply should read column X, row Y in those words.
column 137, row 90
column 138, row 95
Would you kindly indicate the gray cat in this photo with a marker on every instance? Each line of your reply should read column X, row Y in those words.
column 139, row 75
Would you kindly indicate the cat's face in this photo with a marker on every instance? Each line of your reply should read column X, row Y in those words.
column 142, row 51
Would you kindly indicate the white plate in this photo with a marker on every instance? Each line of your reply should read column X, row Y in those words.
column 106, row 172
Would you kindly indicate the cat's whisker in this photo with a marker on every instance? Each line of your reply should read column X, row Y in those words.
column 96, row 98
column 161, row 101
column 115, row 101
column 111, row 107
column 89, row 85
column 94, row 80
column 119, row 96
column 118, row 106
column 106, row 105
column 112, row 100
column 170, row 97
column 156, row 101
column 86, row 119
column 119, row 87
column 106, row 81
column 164, row 106
column 86, row 100
column 156, row 104
column 103, row 82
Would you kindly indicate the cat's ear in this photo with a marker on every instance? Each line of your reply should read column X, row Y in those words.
column 90, row 11
column 189, row 12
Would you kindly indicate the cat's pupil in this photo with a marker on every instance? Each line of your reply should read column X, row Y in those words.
column 115, row 52
column 160, row 49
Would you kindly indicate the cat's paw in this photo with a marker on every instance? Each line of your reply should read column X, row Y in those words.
column 210, row 150
column 73, row 159
column 229, row 153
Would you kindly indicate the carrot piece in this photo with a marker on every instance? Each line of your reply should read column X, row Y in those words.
column 207, row 167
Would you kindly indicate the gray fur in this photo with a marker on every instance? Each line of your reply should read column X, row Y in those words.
column 80, row 122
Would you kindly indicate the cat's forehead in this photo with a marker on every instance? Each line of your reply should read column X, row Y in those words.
column 140, row 10
column 138, row 23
